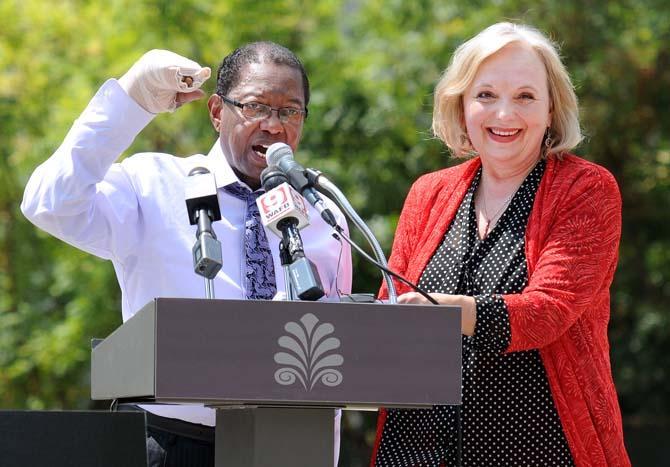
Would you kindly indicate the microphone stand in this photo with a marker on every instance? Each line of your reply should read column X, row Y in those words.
column 202, row 206
column 303, row 282
column 285, row 258
column 318, row 180
column 207, row 256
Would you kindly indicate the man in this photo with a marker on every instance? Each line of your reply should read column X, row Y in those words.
column 133, row 213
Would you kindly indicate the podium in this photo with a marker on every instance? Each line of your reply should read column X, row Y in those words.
column 275, row 370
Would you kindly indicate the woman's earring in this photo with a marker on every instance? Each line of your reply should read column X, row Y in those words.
column 548, row 140
column 547, row 144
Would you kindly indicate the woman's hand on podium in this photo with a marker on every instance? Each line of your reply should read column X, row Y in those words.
column 467, row 304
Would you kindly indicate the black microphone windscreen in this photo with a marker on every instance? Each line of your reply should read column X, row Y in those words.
column 200, row 192
column 272, row 177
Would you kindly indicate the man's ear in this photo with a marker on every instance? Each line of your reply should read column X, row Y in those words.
column 214, row 104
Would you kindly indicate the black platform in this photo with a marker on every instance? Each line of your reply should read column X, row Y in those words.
column 72, row 439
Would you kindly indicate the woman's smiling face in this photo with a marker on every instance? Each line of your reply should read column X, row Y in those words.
column 507, row 107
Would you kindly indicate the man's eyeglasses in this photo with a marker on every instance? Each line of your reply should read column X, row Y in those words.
column 257, row 111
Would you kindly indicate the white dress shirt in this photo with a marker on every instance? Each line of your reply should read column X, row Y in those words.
column 133, row 213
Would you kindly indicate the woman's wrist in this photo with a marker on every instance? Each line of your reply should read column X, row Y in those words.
column 468, row 315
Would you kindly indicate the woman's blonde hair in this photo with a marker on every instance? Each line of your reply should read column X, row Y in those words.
column 448, row 118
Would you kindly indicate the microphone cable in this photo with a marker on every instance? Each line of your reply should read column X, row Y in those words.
column 340, row 232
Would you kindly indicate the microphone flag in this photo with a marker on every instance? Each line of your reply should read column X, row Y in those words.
column 280, row 203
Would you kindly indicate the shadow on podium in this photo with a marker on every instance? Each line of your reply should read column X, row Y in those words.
column 72, row 439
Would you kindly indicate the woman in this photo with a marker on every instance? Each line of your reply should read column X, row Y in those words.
column 524, row 237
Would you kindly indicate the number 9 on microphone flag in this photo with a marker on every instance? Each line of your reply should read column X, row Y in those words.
column 280, row 203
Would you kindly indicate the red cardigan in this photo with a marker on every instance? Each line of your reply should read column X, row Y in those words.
column 572, row 242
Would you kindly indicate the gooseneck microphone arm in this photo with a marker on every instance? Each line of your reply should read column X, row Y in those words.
column 318, row 180
column 341, row 234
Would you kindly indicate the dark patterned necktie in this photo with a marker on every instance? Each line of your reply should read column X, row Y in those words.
column 260, row 272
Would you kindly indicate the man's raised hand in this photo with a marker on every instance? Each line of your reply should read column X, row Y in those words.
column 161, row 81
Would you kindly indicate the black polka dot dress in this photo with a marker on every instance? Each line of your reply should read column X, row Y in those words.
column 508, row 417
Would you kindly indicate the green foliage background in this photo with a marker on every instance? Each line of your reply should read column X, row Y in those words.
column 373, row 65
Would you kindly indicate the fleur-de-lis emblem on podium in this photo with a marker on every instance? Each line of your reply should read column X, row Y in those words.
column 308, row 358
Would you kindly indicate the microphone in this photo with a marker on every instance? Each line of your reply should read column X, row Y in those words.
column 202, row 205
column 200, row 194
column 283, row 211
column 281, row 204
column 281, row 155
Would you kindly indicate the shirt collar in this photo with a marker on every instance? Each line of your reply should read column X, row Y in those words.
column 218, row 165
